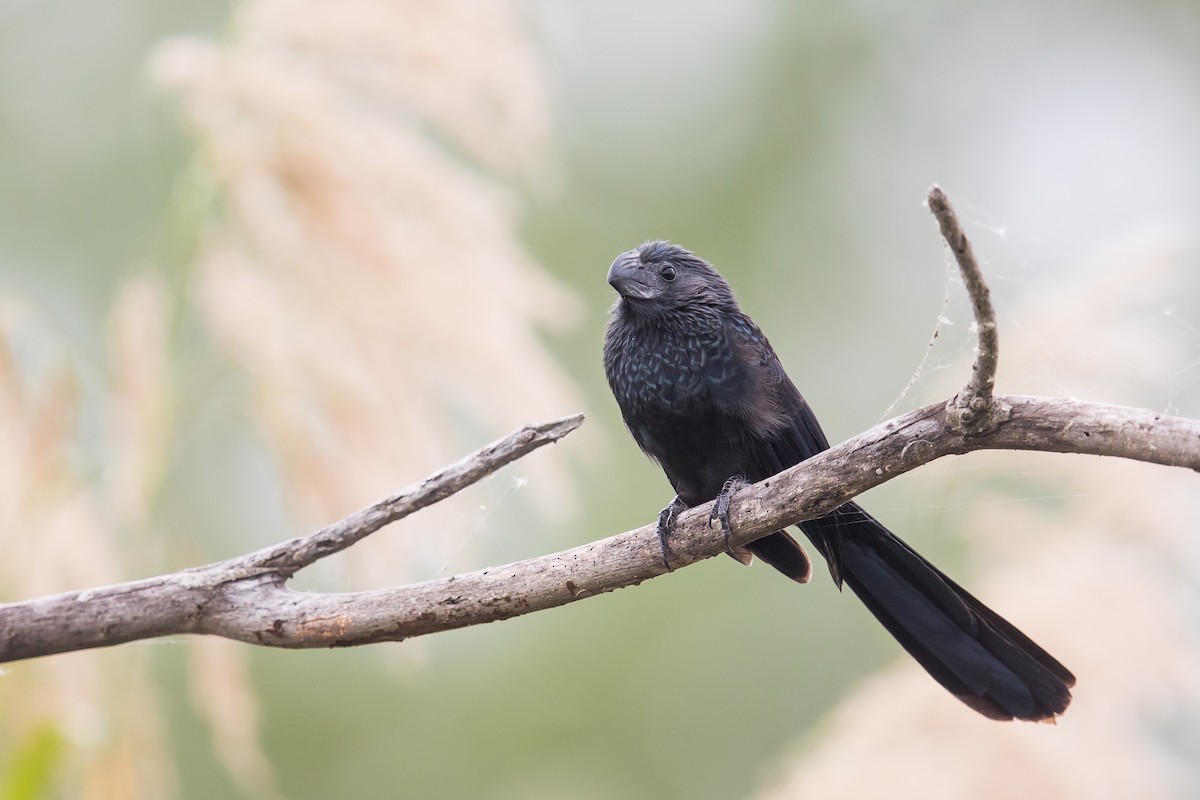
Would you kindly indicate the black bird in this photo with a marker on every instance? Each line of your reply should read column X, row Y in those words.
column 705, row 396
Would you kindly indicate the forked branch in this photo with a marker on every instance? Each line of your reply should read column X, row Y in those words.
column 247, row 598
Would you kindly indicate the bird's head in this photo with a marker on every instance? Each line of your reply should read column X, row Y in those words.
column 665, row 275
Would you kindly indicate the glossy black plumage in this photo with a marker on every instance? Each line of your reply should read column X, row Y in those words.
column 705, row 396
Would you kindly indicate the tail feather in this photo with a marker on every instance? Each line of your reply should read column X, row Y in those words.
column 783, row 553
column 971, row 650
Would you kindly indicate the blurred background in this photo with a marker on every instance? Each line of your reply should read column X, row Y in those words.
column 263, row 262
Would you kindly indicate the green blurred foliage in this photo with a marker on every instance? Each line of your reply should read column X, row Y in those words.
column 28, row 773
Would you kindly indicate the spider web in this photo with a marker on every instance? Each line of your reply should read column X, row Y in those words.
column 1119, row 324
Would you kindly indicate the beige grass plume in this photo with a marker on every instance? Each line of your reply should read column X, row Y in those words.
column 366, row 269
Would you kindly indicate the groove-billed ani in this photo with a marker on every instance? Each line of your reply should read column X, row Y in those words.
column 705, row 396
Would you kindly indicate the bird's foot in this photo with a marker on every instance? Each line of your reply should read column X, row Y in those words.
column 720, row 511
column 666, row 524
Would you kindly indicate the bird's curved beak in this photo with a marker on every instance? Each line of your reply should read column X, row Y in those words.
column 630, row 278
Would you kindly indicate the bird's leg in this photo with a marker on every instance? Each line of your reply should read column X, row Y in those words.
column 721, row 510
column 666, row 524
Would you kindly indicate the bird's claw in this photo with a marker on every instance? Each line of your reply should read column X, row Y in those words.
column 666, row 524
column 720, row 510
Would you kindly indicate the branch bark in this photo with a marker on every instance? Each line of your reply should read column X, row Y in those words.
column 973, row 410
column 247, row 599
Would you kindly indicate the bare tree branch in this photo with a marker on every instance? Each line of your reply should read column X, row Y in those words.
column 973, row 409
column 291, row 556
column 246, row 598
column 176, row 603
column 271, row 614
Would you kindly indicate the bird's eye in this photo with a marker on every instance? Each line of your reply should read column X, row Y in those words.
column 668, row 274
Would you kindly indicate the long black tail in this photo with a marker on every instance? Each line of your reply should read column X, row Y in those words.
column 968, row 648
